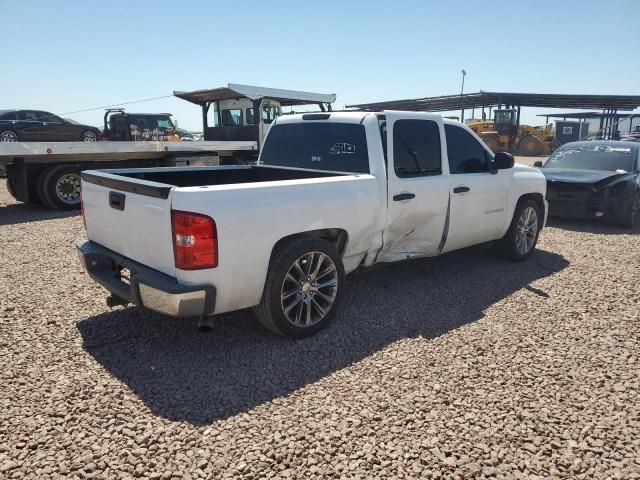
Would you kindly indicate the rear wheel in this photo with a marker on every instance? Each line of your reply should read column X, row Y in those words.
column 530, row 146
column 303, row 289
column 8, row 136
column 521, row 238
column 60, row 188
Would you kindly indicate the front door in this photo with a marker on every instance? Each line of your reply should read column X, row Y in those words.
column 418, row 188
column 478, row 195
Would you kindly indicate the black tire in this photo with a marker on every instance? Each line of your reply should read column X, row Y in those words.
column 271, row 312
column 9, row 136
column 41, row 191
column 10, row 189
column 632, row 216
column 508, row 245
column 89, row 134
column 51, row 197
column 530, row 146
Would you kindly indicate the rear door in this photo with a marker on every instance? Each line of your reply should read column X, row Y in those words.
column 31, row 127
column 137, row 226
column 418, row 187
column 478, row 195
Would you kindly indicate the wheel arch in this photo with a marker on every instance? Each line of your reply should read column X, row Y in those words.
column 536, row 197
column 338, row 237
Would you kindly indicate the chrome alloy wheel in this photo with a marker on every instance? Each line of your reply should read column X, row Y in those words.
column 309, row 289
column 89, row 136
column 68, row 188
column 8, row 136
column 527, row 230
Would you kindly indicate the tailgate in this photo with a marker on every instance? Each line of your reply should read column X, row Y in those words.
column 125, row 216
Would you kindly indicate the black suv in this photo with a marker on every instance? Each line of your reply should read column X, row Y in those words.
column 39, row 126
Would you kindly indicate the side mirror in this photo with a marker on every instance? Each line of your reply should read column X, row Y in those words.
column 537, row 163
column 503, row 160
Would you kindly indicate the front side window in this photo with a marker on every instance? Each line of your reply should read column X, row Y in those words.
column 466, row 154
column 416, row 148
column 269, row 113
column 50, row 118
column 165, row 124
column 232, row 117
column 331, row 146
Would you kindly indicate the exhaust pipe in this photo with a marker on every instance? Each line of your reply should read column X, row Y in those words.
column 205, row 324
column 114, row 301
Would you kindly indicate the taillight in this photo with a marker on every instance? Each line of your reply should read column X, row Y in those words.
column 195, row 240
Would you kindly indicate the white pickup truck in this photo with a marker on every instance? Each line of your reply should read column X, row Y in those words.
column 331, row 192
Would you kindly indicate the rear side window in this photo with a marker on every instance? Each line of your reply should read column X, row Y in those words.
column 340, row 147
column 466, row 154
column 8, row 116
column 416, row 148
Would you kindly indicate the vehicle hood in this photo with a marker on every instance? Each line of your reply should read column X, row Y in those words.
column 590, row 177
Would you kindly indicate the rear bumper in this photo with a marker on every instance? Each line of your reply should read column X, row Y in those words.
column 144, row 287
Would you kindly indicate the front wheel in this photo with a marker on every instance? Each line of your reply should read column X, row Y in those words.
column 89, row 136
column 521, row 238
column 632, row 216
column 303, row 289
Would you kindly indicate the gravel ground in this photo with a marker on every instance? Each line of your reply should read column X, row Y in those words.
column 463, row 366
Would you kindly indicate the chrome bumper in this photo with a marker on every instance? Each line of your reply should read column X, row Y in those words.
column 144, row 286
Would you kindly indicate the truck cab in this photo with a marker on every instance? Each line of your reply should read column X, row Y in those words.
column 132, row 127
column 245, row 112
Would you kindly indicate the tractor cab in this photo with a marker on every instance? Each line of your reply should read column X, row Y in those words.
column 506, row 122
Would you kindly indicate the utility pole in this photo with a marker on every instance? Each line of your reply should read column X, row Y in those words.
column 462, row 97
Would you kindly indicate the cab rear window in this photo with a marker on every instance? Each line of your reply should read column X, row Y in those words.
column 331, row 146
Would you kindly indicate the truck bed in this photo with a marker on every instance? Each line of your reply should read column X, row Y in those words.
column 157, row 182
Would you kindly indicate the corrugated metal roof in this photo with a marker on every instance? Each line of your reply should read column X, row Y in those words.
column 234, row 90
column 492, row 99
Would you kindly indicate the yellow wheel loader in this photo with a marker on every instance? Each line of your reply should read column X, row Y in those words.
column 503, row 134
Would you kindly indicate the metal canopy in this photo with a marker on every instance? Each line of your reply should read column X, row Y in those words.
column 585, row 115
column 234, row 90
column 492, row 99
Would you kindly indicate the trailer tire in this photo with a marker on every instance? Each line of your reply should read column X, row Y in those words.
column 10, row 188
column 299, row 310
column 61, row 187
column 41, row 191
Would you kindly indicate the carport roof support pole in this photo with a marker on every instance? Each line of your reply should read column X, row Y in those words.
column 462, row 97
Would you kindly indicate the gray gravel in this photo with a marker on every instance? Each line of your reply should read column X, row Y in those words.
column 463, row 366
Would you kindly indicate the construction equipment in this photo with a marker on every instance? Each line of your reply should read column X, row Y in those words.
column 505, row 134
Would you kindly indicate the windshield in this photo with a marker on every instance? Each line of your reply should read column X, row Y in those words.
column 330, row 146
column 592, row 157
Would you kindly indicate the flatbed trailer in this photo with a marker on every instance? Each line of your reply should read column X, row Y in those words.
column 49, row 172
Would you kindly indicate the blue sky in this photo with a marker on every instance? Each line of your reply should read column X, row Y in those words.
column 67, row 56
